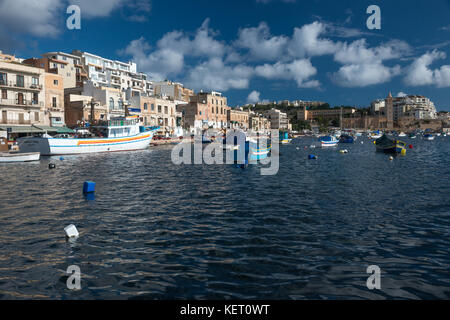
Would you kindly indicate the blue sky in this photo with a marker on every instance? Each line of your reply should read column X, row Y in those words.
column 254, row 50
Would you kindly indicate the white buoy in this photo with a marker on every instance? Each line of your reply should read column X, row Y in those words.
column 298, row 148
column 362, row 142
column 71, row 231
column 391, row 158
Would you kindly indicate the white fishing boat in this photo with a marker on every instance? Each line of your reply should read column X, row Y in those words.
column 19, row 157
column 328, row 141
column 428, row 137
column 402, row 134
column 118, row 134
column 375, row 135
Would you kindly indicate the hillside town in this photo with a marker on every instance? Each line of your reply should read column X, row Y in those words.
column 60, row 91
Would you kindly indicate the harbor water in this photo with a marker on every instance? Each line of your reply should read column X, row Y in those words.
column 157, row 230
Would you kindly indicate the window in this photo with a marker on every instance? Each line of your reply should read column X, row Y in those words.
column 35, row 98
column 111, row 104
column 20, row 82
column 54, row 104
column 36, row 116
column 55, row 82
column 166, row 110
column 4, row 94
column 120, row 105
column 153, row 107
column 159, row 109
column 62, row 66
column 145, row 107
column 3, row 78
column 35, row 81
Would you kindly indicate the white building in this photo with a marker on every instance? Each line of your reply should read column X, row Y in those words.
column 377, row 105
column 414, row 106
column 115, row 74
column 278, row 119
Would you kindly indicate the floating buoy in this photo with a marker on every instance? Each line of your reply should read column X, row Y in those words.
column 71, row 231
column 312, row 157
column 298, row 148
column 391, row 158
column 88, row 187
column 312, row 146
column 52, row 166
column 362, row 142
column 61, row 158
column 343, row 151
column 411, row 146
column 403, row 153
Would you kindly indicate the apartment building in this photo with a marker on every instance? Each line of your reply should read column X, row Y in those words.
column 258, row 123
column 414, row 106
column 174, row 90
column 278, row 119
column 216, row 113
column 66, row 65
column 156, row 111
column 115, row 74
column 195, row 115
column 237, row 119
column 22, row 94
column 54, row 99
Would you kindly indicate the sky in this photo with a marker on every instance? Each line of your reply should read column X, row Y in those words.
column 254, row 50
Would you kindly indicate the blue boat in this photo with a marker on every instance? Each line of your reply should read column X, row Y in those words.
column 345, row 138
column 328, row 141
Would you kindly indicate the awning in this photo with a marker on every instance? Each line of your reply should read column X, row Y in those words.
column 56, row 129
column 21, row 129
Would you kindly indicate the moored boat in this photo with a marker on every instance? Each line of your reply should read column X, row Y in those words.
column 118, row 134
column 328, row 141
column 345, row 138
column 19, row 157
column 386, row 145
column 428, row 137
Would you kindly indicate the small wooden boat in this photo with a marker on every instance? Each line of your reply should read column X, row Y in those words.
column 428, row 137
column 19, row 157
column 386, row 145
column 328, row 141
column 345, row 138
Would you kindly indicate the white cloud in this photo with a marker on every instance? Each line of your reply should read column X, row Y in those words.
column 253, row 97
column 35, row 17
column 401, row 94
column 365, row 74
column 306, row 41
column 261, row 44
column 298, row 70
column 215, row 74
column 97, row 8
column 419, row 73
column 159, row 64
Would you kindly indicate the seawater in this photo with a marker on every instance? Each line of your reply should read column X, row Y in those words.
column 156, row 230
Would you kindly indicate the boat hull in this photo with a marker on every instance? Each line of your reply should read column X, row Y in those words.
column 19, row 157
column 54, row 146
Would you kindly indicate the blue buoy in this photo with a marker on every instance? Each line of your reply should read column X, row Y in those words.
column 312, row 157
column 88, row 187
column 61, row 158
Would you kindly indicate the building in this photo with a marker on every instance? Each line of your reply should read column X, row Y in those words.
column 54, row 99
column 7, row 57
column 174, row 90
column 309, row 104
column 66, row 65
column 414, row 106
column 377, row 106
column 22, row 95
column 258, row 123
column 237, row 119
column 327, row 114
column 195, row 115
column 278, row 119
column 78, row 108
column 156, row 111
column 115, row 74
column 217, row 111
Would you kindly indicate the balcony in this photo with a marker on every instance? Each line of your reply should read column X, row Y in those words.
column 21, row 103
column 18, row 85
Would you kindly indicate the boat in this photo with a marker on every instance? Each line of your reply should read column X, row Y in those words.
column 19, row 157
column 345, row 138
column 328, row 141
column 375, row 135
column 428, row 137
column 117, row 134
column 285, row 138
column 386, row 145
column 402, row 134
column 412, row 136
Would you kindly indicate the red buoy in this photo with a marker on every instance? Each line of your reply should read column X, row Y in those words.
column 410, row 146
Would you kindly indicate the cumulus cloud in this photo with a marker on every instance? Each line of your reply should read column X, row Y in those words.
column 260, row 43
column 401, row 94
column 306, row 41
column 299, row 70
column 97, row 8
column 253, row 97
column 365, row 74
column 420, row 74
column 35, row 17
column 215, row 74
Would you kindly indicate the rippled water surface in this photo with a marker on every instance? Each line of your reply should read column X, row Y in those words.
column 160, row 231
